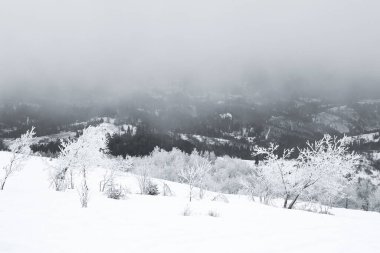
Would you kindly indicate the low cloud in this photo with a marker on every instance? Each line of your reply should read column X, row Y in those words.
column 83, row 46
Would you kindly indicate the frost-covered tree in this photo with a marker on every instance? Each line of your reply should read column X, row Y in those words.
column 276, row 176
column 227, row 173
column 194, row 172
column 327, row 168
column 80, row 155
column 20, row 151
column 321, row 171
column 167, row 163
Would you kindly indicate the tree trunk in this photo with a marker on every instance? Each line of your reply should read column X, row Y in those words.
column 84, row 197
column 293, row 202
column 3, row 182
column 286, row 201
column 2, row 185
column 71, row 180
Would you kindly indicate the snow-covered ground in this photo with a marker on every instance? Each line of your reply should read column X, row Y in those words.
column 35, row 218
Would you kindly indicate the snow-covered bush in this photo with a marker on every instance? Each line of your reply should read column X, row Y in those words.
column 152, row 188
column 374, row 200
column 187, row 211
column 112, row 166
column 20, row 151
column 116, row 192
column 194, row 172
column 58, row 177
column 143, row 177
column 363, row 194
column 314, row 207
column 226, row 174
column 164, row 164
column 166, row 191
column 121, row 164
column 221, row 198
column 213, row 213
column 257, row 184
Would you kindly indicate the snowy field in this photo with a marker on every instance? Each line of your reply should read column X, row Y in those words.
column 35, row 218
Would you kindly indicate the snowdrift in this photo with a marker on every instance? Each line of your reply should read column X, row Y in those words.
column 35, row 218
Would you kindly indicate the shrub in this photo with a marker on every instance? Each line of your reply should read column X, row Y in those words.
column 166, row 191
column 314, row 207
column 116, row 193
column 221, row 197
column 187, row 211
column 152, row 189
column 213, row 213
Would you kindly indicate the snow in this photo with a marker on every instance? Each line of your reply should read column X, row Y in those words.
column 208, row 140
column 369, row 102
column 332, row 121
column 35, row 218
column 131, row 127
column 226, row 115
column 46, row 138
column 365, row 138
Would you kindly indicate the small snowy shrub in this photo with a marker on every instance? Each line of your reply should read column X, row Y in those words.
column 314, row 208
column 58, row 180
column 187, row 211
column 221, row 197
column 152, row 189
column 143, row 178
column 166, row 191
column 213, row 213
column 116, row 193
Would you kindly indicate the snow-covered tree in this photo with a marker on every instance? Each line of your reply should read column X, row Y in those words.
column 20, row 151
column 276, row 175
column 80, row 155
column 321, row 171
column 194, row 172
column 327, row 168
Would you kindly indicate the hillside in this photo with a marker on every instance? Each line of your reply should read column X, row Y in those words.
column 224, row 124
column 35, row 218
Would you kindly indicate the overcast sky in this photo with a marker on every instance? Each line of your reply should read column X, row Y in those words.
column 123, row 44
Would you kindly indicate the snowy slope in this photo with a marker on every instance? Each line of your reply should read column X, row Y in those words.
column 35, row 218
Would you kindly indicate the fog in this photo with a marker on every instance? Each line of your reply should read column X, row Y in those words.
column 95, row 46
